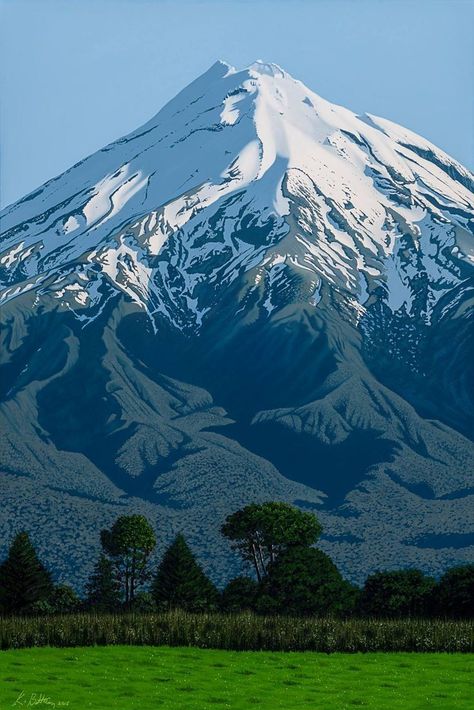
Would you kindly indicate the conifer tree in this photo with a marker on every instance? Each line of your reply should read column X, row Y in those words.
column 24, row 581
column 180, row 582
column 103, row 588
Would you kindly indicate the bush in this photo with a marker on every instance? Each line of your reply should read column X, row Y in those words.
column 143, row 603
column 402, row 593
column 39, row 608
column 455, row 593
column 240, row 595
column 64, row 600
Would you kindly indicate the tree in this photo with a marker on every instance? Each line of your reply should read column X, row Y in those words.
column 397, row 594
column 240, row 595
column 24, row 581
column 180, row 581
column 261, row 532
column 129, row 543
column 304, row 581
column 103, row 588
column 455, row 592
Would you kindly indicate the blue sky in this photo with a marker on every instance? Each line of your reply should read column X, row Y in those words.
column 76, row 74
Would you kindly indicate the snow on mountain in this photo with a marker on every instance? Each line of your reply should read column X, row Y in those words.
column 256, row 295
column 325, row 192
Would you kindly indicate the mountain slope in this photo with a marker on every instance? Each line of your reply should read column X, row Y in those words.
column 257, row 295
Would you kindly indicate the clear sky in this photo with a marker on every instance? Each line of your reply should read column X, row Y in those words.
column 76, row 74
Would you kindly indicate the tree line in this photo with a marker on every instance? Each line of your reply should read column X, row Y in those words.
column 290, row 575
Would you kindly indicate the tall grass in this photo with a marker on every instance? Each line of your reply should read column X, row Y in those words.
column 238, row 632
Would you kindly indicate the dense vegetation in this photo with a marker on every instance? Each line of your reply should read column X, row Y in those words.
column 195, row 679
column 244, row 632
column 276, row 540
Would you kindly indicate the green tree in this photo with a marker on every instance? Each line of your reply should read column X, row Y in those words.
column 261, row 532
column 103, row 588
column 455, row 592
column 240, row 594
column 180, row 582
column 24, row 581
column 396, row 594
column 129, row 543
column 304, row 581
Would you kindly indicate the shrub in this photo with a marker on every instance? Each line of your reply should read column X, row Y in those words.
column 455, row 592
column 397, row 594
column 143, row 603
column 240, row 595
column 64, row 599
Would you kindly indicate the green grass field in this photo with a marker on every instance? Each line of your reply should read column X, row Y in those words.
column 195, row 679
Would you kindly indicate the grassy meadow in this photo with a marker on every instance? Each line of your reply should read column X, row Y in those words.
column 205, row 679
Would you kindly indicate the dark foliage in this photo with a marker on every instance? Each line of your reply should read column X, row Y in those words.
column 24, row 581
column 144, row 603
column 455, row 593
column 305, row 582
column 181, row 583
column 64, row 600
column 261, row 532
column 103, row 589
column 239, row 595
column 400, row 593
column 294, row 578
column 244, row 632
column 129, row 543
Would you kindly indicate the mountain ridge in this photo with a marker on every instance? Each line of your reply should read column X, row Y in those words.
column 253, row 278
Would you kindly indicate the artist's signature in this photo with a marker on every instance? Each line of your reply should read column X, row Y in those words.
column 31, row 700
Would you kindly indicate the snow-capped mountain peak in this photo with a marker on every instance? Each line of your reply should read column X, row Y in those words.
column 242, row 170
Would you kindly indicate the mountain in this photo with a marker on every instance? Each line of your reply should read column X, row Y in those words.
column 256, row 295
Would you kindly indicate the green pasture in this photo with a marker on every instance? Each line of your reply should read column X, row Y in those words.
column 147, row 677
